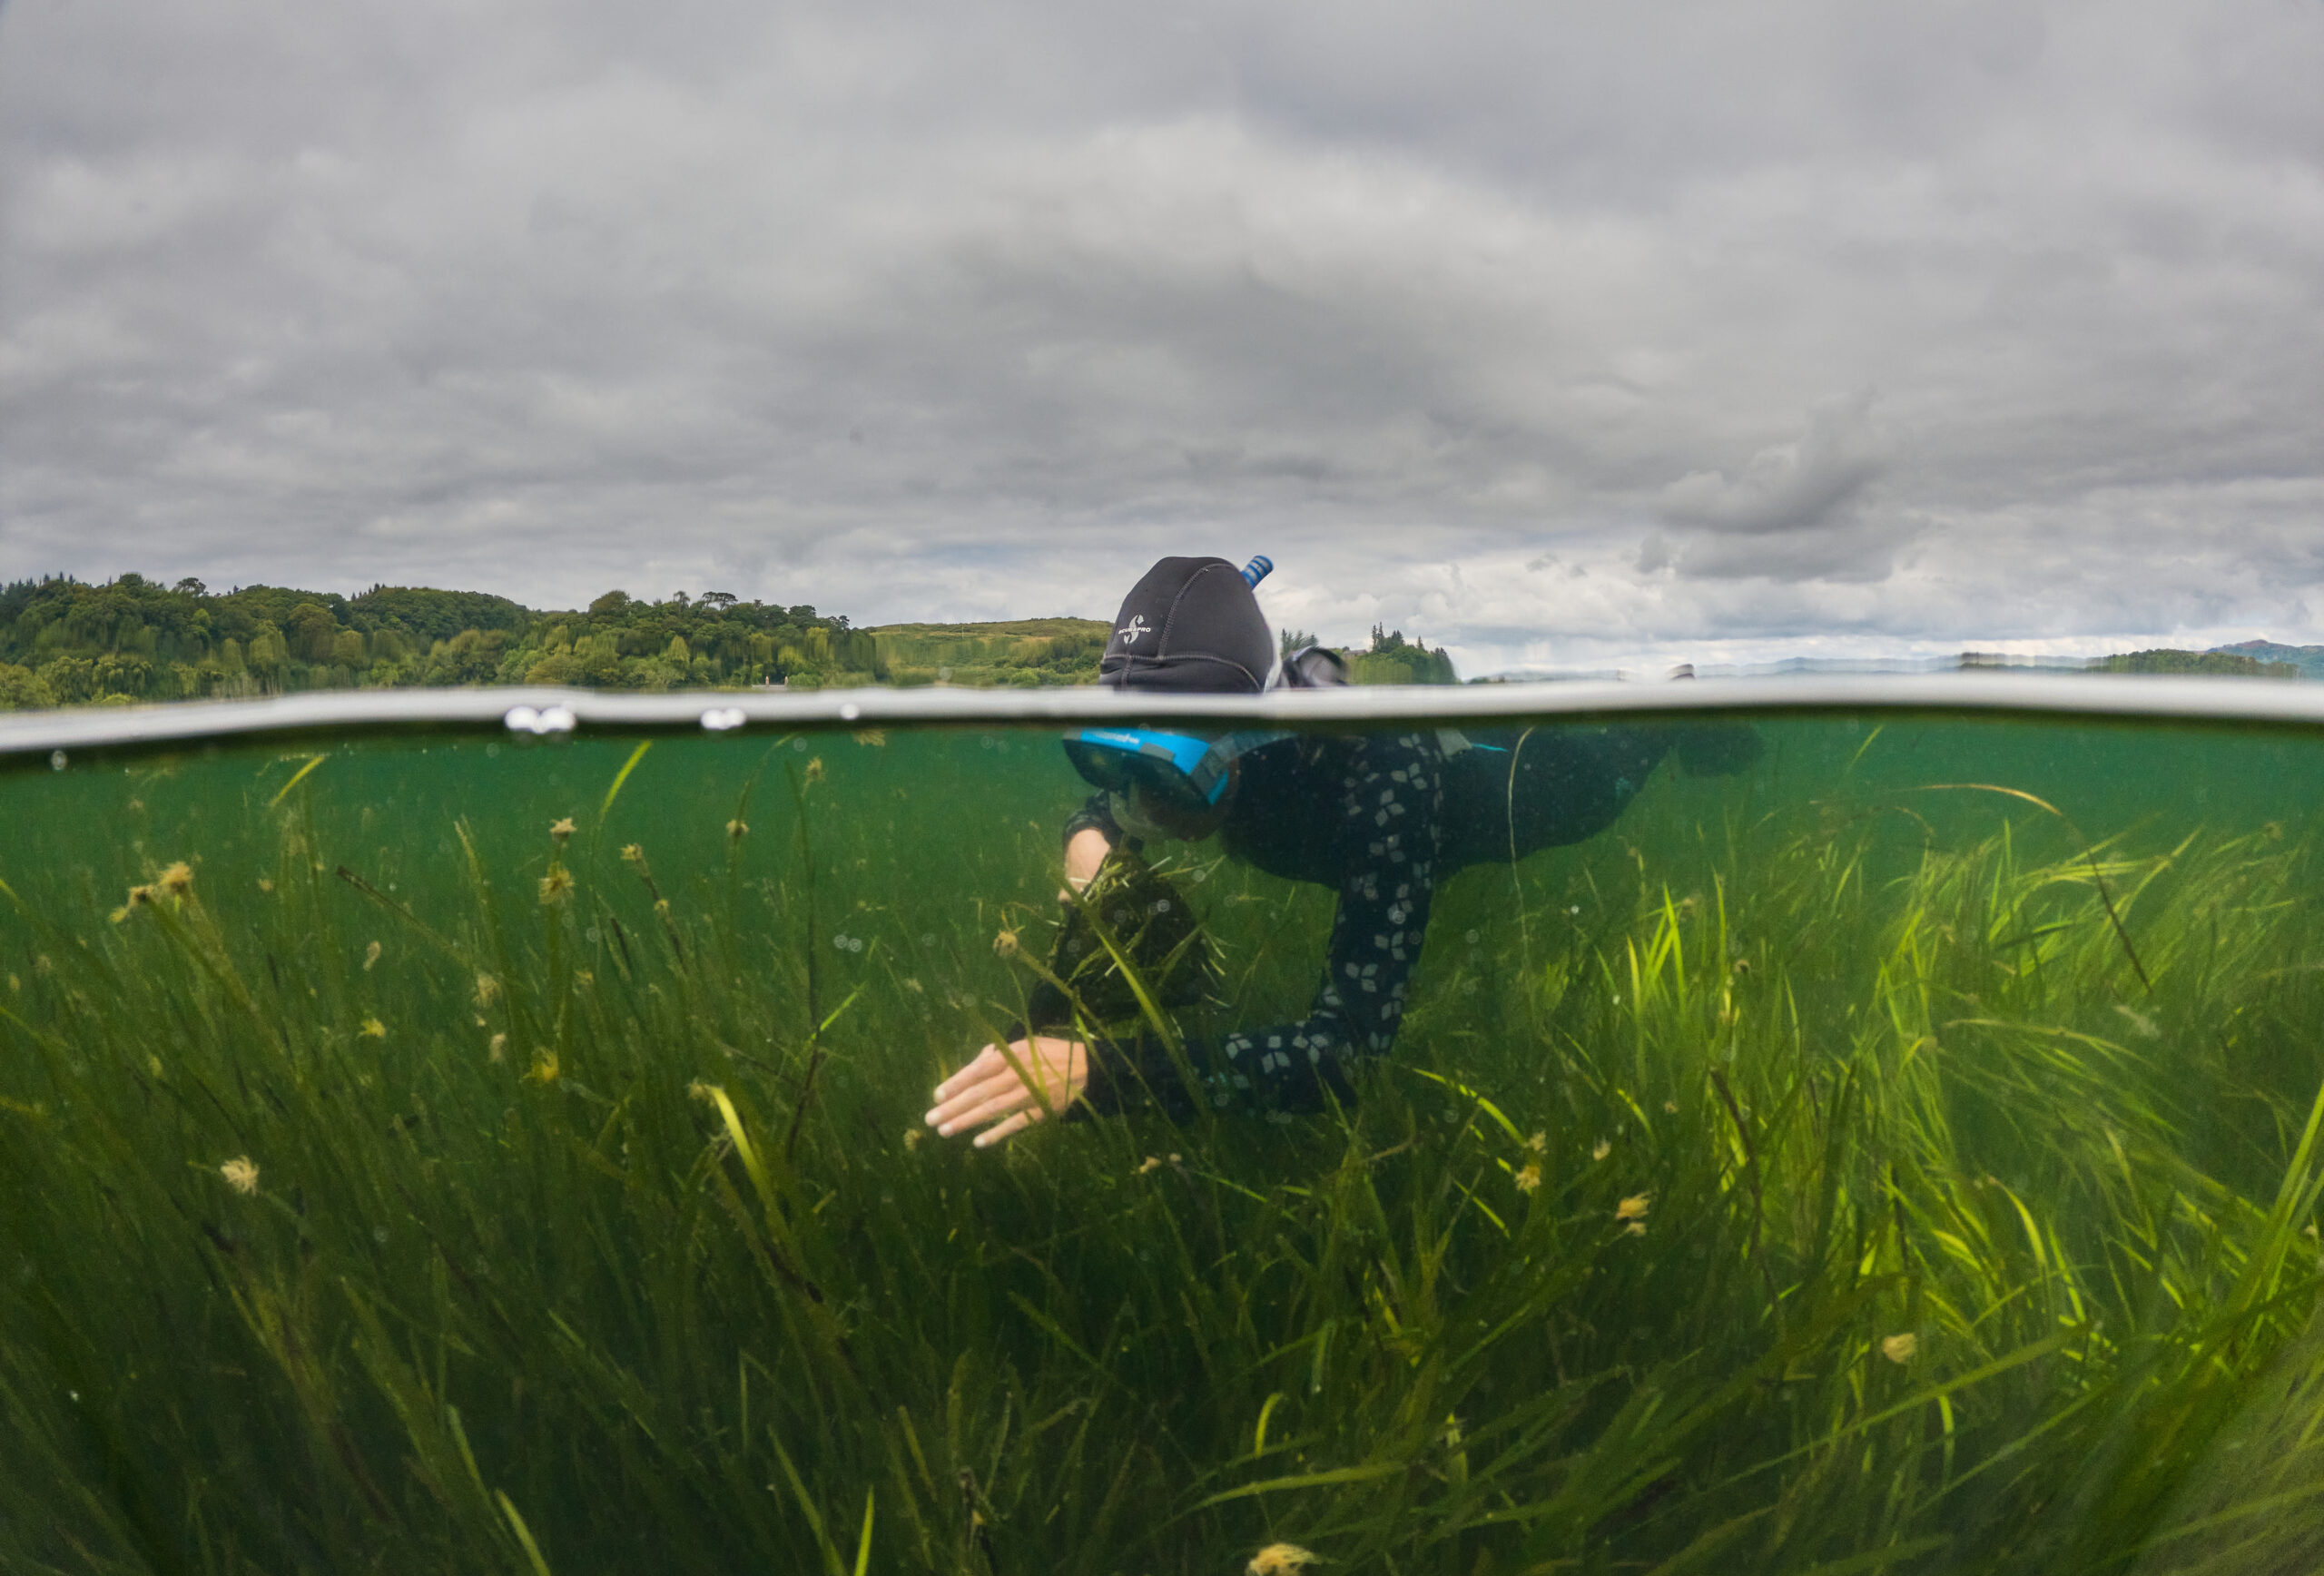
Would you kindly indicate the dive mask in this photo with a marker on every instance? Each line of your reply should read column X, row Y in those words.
column 1180, row 772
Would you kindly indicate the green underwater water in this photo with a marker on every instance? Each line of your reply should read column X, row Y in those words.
column 1904, row 1155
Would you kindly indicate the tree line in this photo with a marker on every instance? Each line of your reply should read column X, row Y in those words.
column 2207, row 662
column 1389, row 659
column 66, row 642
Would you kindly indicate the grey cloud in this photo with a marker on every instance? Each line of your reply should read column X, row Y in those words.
column 1794, row 511
column 1851, row 553
column 1789, row 486
column 938, row 312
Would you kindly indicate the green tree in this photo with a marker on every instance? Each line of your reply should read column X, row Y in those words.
column 1392, row 659
column 22, row 689
column 134, row 638
column 71, row 679
column 268, row 653
column 310, row 630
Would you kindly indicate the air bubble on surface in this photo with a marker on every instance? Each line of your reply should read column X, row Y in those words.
column 548, row 720
column 722, row 719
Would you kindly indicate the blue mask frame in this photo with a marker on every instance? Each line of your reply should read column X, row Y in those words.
column 1186, row 770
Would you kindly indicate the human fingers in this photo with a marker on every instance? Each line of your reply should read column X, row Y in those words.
column 1005, row 1087
column 951, row 1112
column 981, row 1066
column 998, row 1101
column 1022, row 1060
column 1009, row 1128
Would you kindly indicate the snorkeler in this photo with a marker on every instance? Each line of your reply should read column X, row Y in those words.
column 1382, row 817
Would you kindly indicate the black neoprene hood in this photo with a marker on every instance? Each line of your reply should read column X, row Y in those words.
column 1190, row 624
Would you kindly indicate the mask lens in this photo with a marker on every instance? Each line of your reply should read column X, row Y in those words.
column 1167, row 790
column 1116, row 771
column 1100, row 767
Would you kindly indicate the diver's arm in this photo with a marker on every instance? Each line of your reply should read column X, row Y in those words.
column 1090, row 834
column 1083, row 855
column 1392, row 802
column 999, row 1087
column 1096, row 813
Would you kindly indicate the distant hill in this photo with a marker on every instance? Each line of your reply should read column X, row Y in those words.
column 1046, row 651
column 2308, row 659
column 2237, row 662
column 1026, row 651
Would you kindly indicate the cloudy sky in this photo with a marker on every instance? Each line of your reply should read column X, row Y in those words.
column 1571, row 335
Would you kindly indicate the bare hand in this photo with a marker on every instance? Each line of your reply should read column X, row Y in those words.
column 1011, row 1089
column 1083, row 855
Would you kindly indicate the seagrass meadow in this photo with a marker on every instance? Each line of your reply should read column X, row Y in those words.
column 445, row 1155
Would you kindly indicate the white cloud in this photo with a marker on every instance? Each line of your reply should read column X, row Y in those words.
column 1546, row 333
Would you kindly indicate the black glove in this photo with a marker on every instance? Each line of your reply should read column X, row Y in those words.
column 1150, row 923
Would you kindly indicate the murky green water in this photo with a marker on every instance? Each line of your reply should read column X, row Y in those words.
column 1901, row 1155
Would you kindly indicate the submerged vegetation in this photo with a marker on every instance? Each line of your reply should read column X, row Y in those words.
column 468, row 1158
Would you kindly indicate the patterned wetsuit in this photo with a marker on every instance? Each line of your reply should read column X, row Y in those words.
column 1382, row 817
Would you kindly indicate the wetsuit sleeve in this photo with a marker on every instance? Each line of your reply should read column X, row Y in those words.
column 1391, row 808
